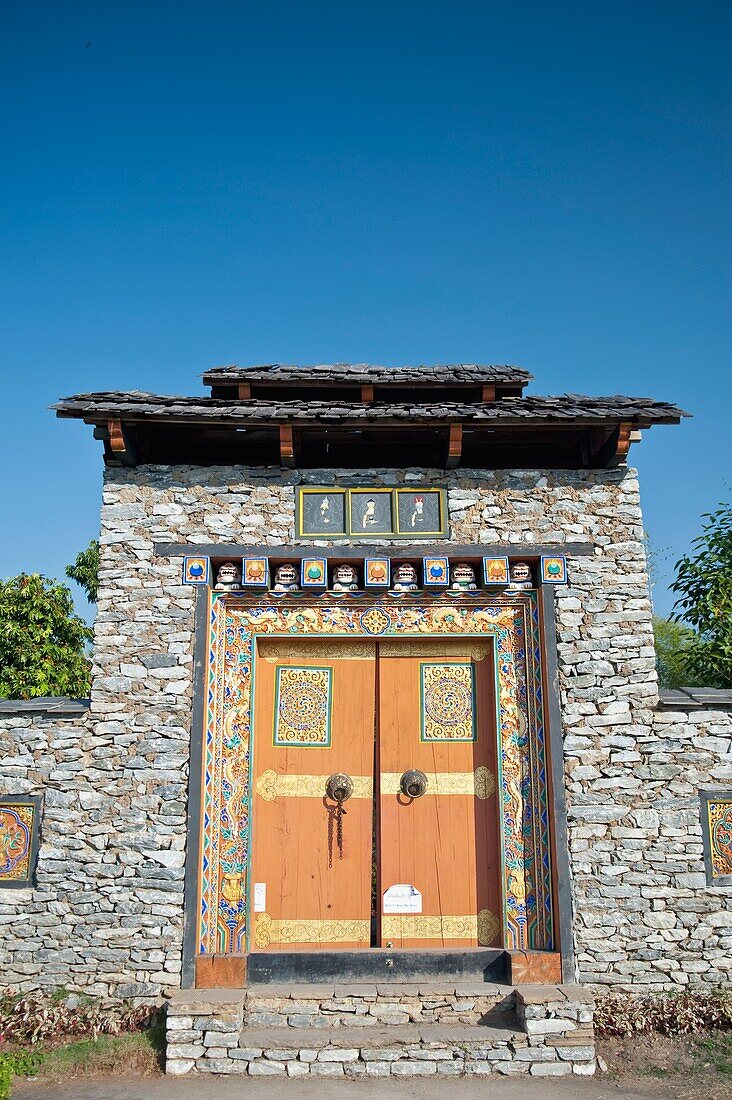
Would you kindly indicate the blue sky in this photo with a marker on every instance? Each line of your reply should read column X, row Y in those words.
column 188, row 184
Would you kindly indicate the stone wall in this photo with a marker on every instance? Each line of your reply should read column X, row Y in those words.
column 645, row 918
column 110, row 883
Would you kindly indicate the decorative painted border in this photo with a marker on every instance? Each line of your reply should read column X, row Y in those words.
column 20, row 815
column 710, row 803
column 422, row 709
column 276, row 741
column 395, row 532
column 511, row 619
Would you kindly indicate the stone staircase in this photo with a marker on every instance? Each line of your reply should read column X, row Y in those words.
column 406, row 1030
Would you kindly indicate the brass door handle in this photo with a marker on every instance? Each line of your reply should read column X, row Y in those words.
column 339, row 787
column 413, row 783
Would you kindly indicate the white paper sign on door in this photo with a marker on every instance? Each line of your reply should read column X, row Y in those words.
column 260, row 897
column 402, row 898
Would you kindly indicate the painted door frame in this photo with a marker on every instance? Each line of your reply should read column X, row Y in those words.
column 304, row 615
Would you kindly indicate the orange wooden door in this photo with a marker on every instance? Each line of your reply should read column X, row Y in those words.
column 314, row 716
column 437, row 715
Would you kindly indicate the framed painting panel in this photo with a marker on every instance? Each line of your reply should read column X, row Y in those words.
column 321, row 513
column 716, row 820
column 370, row 513
column 20, row 818
column 421, row 512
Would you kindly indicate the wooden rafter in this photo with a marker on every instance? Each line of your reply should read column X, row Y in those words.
column 287, row 447
column 367, row 395
column 245, row 391
column 120, row 443
column 489, row 395
column 454, row 446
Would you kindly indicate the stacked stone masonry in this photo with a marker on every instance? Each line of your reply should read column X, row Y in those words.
column 382, row 1031
column 106, row 914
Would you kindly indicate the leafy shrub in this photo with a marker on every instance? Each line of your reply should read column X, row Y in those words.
column 30, row 1018
column 664, row 1014
column 19, row 1062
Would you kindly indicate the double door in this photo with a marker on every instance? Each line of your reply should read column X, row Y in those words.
column 374, row 817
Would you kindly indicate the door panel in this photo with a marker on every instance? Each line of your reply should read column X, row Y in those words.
column 437, row 714
column 314, row 716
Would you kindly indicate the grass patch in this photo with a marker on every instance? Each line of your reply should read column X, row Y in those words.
column 716, row 1050
column 139, row 1053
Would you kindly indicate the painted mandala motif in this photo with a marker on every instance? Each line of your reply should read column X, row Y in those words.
column 303, row 706
column 375, row 621
column 448, row 710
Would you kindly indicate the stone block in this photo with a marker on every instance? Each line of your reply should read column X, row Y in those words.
column 333, row 1054
column 176, row 1067
column 327, row 1069
column 409, row 1068
column 267, row 1069
column 378, row 1069
column 185, row 1051
column 550, row 1069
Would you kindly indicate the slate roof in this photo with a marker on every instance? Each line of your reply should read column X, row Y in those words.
column 360, row 373
column 57, row 705
column 567, row 408
column 696, row 698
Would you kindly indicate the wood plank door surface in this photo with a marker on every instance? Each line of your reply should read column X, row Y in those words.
column 314, row 716
column 437, row 714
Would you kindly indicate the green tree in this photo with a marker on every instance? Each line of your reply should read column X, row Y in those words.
column 703, row 587
column 85, row 570
column 673, row 641
column 42, row 641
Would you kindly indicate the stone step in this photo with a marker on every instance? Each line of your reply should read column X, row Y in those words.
column 548, row 1033
column 361, row 1005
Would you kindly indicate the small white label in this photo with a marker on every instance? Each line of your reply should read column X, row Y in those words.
column 260, row 897
column 402, row 898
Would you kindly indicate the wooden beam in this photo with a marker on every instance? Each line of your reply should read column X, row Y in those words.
column 120, row 443
column 489, row 394
column 367, row 395
column 245, row 391
column 455, row 446
column 287, row 447
column 526, row 551
column 622, row 445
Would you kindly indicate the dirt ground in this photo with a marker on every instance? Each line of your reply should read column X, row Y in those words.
column 644, row 1067
column 692, row 1067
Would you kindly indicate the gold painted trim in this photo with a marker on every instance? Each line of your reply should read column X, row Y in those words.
column 481, row 783
column 273, row 650
column 268, row 931
column 466, row 648
column 484, row 927
column 271, row 785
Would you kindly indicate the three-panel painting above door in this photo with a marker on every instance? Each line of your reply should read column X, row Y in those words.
column 374, row 775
